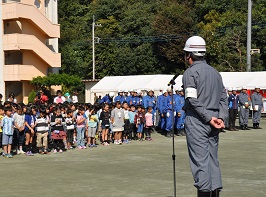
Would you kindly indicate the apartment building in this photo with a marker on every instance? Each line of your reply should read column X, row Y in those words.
column 28, row 44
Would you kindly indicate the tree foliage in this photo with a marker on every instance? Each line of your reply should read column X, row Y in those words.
column 32, row 96
column 148, row 36
column 57, row 79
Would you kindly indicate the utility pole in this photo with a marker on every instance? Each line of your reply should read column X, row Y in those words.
column 249, row 36
column 93, row 46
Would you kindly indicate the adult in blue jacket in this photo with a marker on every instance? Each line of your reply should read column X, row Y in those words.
column 126, row 96
column 108, row 98
column 162, row 108
column 134, row 99
column 180, row 113
column 169, row 112
column 150, row 101
column 120, row 97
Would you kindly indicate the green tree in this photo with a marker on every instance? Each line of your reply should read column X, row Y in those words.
column 32, row 96
column 147, row 37
column 69, row 82
column 178, row 19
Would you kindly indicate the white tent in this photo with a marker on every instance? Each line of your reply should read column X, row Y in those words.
column 248, row 79
column 138, row 82
column 155, row 82
column 145, row 82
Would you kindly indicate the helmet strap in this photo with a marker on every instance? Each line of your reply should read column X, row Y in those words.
column 188, row 56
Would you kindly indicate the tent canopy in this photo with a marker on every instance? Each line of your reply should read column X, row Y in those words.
column 137, row 82
column 156, row 82
column 240, row 79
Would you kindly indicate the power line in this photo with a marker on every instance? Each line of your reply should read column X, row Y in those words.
column 170, row 37
column 163, row 38
column 146, row 39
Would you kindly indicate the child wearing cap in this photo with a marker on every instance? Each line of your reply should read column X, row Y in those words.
column 68, row 98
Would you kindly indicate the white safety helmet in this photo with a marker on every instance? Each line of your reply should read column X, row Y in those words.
column 126, row 91
column 257, row 87
column 179, row 89
column 111, row 94
column 164, row 90
column 234, row 89
column 244, row 88
column 138, row 91
column 196, row 45
column 169, row 90
column 119, row 91
column 150, row 90
column 230, row 89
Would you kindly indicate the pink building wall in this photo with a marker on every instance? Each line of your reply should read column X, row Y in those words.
column 26, row 33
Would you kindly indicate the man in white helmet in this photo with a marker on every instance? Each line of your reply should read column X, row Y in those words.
column 133, row 98
column 257, row 105
column 206, row 109
column 158, row 110
column 161, row 108
column 120, row 97
column 180, row 113
column 126, row 95
column 168, row 112
column 140, row 97
column 150, row 100
column 244, row 105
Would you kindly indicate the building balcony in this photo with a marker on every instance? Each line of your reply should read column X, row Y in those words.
column 14, row 42
column 21, row 72
column 24, row 11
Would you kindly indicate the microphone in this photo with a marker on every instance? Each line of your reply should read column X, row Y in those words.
column 172, row 82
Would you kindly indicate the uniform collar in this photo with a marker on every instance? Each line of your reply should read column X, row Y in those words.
column 198, row 62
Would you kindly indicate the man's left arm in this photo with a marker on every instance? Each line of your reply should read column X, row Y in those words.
column 223, row 106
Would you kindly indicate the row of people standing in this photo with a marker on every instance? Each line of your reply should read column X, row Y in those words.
column 161, row 107
column 133, row 97
column 245, row 103
column 167, row 108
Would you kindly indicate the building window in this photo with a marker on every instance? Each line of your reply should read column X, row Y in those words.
column 13, row 57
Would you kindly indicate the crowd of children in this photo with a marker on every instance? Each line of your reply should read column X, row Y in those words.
column 30, row 129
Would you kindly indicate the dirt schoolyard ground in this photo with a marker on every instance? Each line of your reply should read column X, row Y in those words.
column 137, row 169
